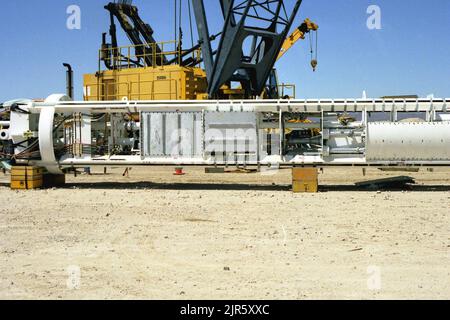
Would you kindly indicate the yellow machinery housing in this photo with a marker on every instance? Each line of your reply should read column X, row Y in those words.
column 171, row 82
column 157, row 82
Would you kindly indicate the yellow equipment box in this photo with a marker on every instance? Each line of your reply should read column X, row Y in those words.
column 26, row 178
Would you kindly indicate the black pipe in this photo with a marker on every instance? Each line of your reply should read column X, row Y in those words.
column 69, row 80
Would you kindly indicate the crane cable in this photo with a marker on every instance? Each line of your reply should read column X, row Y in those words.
column 314, row 54
column 179, row 27
column 180, row 35
column 178, row 6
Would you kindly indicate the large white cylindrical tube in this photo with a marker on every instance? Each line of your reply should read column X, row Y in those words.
column 414, row 141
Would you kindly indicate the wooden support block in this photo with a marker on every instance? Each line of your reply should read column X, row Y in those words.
column 305, row 180
column 26, row 178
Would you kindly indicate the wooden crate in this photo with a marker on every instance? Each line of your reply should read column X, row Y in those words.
column 305, row 180
column 26, row 178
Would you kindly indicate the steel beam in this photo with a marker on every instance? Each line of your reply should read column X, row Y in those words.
column 204, row 36
column 252, row 71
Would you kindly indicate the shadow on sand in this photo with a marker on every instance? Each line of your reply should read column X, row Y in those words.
column 247, row 187
column 238, row 187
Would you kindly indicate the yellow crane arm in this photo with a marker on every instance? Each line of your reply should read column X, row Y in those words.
column 299, row 34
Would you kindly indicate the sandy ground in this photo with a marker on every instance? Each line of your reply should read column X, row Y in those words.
column 209, row 237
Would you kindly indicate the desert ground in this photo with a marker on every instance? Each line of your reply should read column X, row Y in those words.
column 153, row 235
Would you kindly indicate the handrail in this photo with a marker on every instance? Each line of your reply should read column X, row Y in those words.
column 132, row 56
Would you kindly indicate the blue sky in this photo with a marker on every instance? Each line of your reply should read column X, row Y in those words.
column 409, row 55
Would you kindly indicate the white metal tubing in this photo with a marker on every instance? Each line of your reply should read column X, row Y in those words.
column 419, row 105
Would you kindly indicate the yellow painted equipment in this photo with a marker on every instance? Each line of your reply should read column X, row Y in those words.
column 171, row 82
column 150, row 82
column 305, row 180
column 26, row 178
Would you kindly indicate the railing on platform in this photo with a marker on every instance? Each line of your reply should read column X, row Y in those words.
column 153, row 55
